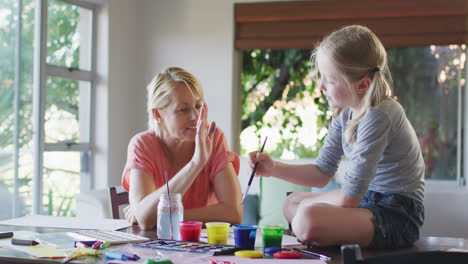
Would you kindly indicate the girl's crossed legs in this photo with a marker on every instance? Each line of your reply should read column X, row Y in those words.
column 316, row 222
column 381, row 221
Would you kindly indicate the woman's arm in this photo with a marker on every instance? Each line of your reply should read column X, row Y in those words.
column 229, row 194
column 144, row 197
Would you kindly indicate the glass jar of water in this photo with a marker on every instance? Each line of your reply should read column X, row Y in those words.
column 167, row 210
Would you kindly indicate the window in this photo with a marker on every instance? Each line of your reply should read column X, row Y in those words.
column 428, row 82
column 46, row 111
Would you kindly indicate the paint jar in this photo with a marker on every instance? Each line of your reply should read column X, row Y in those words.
column 190, row 230
column 244, row 236
column 217, row 232
column 170, row 212
column 272, row 235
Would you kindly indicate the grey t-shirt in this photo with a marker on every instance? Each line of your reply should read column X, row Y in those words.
column 385, row 157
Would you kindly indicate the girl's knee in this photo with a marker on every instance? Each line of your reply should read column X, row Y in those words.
column 310, row 222
column 290, row 205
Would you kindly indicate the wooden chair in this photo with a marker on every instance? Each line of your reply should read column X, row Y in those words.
column 116, row 200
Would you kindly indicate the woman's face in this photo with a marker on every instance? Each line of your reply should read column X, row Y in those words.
column 179, row 118
column 332, row 83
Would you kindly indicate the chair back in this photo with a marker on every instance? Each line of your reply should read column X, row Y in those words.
column 116, row 199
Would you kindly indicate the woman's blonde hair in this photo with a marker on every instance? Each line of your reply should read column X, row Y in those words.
column 357, row 53
column 163, row 85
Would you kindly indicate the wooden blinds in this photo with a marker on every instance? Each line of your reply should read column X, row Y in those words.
column 300, row 24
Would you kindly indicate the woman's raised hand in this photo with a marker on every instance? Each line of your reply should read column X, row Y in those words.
column 204, row 138
column 265, row 163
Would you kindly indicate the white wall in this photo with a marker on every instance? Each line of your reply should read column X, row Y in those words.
column 117, row 105
column 446, row 213
column 145, row 36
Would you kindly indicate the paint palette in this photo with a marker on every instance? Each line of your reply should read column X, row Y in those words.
column 186, row 246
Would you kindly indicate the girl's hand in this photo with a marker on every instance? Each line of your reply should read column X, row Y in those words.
column 265, row 163
column 203, row 139
column 129, row 215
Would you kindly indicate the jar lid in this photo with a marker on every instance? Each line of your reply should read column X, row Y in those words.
column 248, row 254
column 287, row 255
column 271, row 250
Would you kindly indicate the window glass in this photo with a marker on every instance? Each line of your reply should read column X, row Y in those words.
column 427, row 82
column 280, row 100
column 25, row 175
column 67, row 114
column 69, row 35
column 61, row 181
column 7, row 86
column 8, row 65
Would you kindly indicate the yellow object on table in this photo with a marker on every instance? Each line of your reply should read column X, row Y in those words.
column 248, row 254
column 46, row 251
column 81, row 252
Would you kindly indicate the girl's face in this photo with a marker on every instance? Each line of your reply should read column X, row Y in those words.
column 332, row 83
column 179, row 118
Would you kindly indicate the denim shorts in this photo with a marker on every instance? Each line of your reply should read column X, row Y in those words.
column 397, row 219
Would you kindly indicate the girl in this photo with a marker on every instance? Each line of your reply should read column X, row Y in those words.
column 380, row 203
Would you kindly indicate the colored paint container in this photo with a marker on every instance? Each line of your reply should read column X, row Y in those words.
column 217, row 232
column 190, row 230
column 244, row 236
column 272, row 235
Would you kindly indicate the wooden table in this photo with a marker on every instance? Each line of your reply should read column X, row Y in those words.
column 424, row 244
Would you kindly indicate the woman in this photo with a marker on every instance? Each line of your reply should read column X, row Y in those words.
column 194, row 154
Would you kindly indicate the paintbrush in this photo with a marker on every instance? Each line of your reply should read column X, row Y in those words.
column 170, row 205
column 253, row 172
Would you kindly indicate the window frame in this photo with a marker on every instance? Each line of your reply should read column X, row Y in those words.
column 42, row 71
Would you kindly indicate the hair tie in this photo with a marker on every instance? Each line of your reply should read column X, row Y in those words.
column 376, row 69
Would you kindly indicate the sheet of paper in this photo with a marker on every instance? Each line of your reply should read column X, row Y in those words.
column 287, row 240
column 46, row 251
column 67, row 222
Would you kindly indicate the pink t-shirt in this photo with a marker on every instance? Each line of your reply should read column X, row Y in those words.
column 145, row 153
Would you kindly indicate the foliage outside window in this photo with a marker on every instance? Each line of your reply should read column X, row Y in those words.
column 281, row 100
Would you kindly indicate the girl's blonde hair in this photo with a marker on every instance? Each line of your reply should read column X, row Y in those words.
column 162, row 85
column 357, row 53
